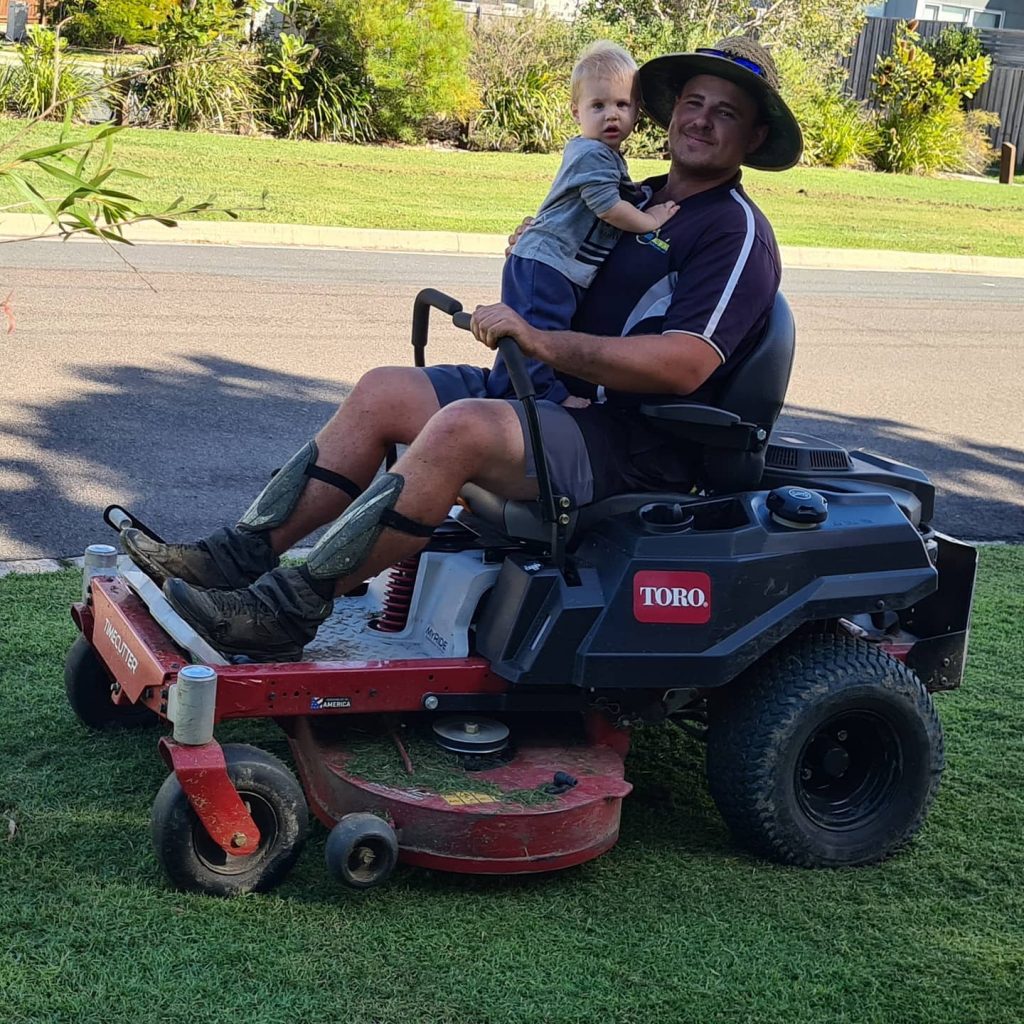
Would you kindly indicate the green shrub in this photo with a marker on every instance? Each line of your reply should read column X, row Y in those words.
column 200, row 77
column 110, row 23
column 528, row 113
column 46, row 79
column 923, row 127
column 417, row 53
column 954, row 45
column 309, row 93
column 842, row 133
column 521, row 68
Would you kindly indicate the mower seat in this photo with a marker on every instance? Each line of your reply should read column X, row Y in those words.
column 730, row 437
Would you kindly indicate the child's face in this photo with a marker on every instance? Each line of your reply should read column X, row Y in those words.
column 606, row 109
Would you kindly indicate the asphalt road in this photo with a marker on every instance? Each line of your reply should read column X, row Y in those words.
column 174, row 385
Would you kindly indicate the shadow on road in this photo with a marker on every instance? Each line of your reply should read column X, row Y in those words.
column 187, row 448
column 184, row 447
column 979, row 487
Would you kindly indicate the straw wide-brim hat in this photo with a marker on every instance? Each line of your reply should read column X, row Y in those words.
column 662, row 79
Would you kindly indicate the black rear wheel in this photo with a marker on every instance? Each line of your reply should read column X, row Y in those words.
column 87, row 684
column 827, row 753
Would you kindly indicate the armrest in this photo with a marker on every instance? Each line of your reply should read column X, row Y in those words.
column 705, row 425
column 686, row 412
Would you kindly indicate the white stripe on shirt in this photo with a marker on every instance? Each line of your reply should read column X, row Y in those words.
column 741, row 261
column 654, row 302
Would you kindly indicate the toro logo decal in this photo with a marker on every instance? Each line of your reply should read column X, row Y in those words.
column 683, row 597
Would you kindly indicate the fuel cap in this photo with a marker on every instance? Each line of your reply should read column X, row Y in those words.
column 797, row 508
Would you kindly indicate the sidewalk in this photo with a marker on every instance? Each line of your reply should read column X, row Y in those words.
column 465, row 244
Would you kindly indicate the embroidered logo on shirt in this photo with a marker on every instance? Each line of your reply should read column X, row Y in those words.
column 653, row 238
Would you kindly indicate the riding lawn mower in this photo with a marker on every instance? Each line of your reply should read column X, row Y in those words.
column 469, row 709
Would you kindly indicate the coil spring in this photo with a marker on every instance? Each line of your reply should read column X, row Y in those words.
column 398, row 596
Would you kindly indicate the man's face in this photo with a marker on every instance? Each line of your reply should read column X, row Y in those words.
column 713, row 127
column 606, row 109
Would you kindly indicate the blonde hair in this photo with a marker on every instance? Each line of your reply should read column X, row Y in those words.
column 601, row 59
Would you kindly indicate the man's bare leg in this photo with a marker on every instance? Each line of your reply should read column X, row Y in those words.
column 389, row 405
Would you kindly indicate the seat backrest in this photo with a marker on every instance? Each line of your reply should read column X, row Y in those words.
column 754, row 391
column 756, row 388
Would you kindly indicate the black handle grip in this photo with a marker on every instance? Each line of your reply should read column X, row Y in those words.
column 431, row 297
column 427, row 299
column 461, row 320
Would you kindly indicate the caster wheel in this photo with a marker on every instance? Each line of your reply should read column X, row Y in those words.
column 87, row 684
column 362, row 851
column 195, row 863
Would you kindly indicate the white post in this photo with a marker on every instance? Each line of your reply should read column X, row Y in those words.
column 100, row 560
column 191, row 702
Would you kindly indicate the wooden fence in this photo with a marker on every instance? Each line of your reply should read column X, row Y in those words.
column 1003, row 93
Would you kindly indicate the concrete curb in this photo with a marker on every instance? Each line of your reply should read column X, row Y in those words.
column 21, row 225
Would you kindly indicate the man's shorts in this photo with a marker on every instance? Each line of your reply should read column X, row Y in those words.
column 592, row 453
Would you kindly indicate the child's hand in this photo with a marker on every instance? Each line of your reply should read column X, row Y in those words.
column 662, row 212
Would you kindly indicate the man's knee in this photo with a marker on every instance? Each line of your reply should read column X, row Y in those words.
column 473, row 427
column 383, row 381
column 393, row 402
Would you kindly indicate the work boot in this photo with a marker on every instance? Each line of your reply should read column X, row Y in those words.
column 270, row 620
column 228, row 559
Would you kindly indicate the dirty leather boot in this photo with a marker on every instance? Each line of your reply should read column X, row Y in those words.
column 229, row 558
column 270, row 620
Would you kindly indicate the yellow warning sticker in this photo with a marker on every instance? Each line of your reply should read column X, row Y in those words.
column 462, row 799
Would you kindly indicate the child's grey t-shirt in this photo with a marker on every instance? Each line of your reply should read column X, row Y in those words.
column 567, row 233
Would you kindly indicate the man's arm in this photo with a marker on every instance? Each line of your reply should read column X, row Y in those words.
column 676, row 363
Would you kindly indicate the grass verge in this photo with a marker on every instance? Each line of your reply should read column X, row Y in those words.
column 674, row 923
column 445, row 190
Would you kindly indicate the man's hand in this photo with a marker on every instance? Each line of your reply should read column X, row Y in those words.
column 517, row 234
column 492, row 323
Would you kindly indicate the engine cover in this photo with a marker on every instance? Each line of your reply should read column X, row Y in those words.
column 652, row 605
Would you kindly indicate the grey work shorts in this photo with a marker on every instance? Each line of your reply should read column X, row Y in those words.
column 564, row 445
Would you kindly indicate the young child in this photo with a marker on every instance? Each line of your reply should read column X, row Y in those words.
column 584, row 213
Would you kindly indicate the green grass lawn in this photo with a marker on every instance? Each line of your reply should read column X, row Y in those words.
column 432, row 189
column 673, row 924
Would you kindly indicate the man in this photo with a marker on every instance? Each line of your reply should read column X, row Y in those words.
column 693, row 298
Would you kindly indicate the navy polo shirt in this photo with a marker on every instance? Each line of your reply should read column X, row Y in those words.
column 712, row 271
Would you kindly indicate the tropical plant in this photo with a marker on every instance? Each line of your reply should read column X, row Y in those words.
column 838, row 131
column 46, row 83
column 199, row 77
column 310, row 83
column 923, row 127
column 81, row 199
column 841, row 133
column 528, row 113
column 521, row 68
